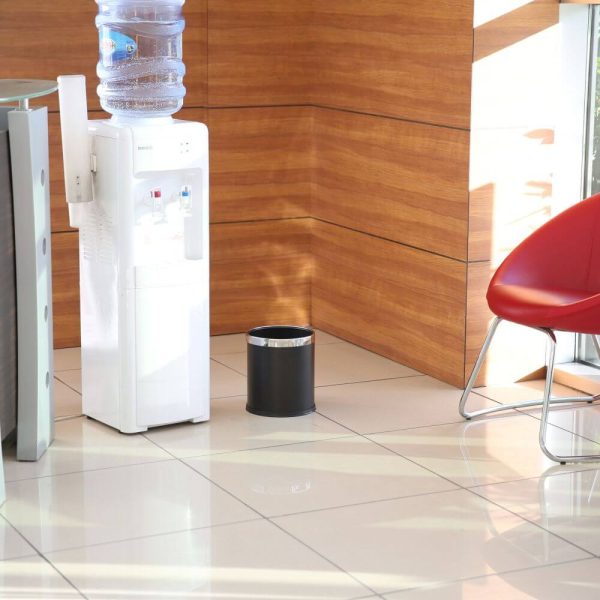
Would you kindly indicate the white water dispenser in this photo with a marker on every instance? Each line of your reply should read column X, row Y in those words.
column 137, row 187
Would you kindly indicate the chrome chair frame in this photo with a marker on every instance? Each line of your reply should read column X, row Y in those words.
column 544, row 402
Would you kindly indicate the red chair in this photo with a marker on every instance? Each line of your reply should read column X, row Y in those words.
column 551, row 281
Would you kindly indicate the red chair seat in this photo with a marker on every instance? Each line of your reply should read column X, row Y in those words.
column 556, row 308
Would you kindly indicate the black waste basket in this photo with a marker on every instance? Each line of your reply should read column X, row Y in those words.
column 281, row 371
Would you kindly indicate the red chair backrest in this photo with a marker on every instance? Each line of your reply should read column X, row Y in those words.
column 563, row 253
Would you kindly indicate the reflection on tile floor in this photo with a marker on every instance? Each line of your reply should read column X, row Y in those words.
column 385, row 492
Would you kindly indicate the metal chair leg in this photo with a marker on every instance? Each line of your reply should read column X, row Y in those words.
column 546, row 410
column 516, row 405
column 486, row 344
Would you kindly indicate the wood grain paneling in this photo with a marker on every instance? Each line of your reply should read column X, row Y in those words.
column 65, row 289
column 42, row 40
column 400, row 302
column 261, row 163
column 195, row 52
column 515, row 26
column 395, row 57
column 401, row 181
column 261, row 66
column 261, row 274
column 260, row 52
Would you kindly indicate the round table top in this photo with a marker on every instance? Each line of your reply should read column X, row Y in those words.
column 14, row 90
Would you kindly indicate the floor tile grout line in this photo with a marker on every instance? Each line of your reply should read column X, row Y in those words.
column 53, row 566
column 469, row 488
column 573, row 406
column 398, row 454
column 555, row 409
column 150, row 536
column 363, row 503
column 40, row 554
column 9, row 559
column 136, row 464
column 265, row 518
column 258, row 448
column 590, row 555
column 488, row 575
column 34, row 551
column 411, row 375
column 207, row 457
column 596, row 442
column 228, row 367
column 352, row 433
column 68, row 385
column 459, row 485
column 460, row 420
column 330, row 385
column 330, row 561
column 340, row 341
column 188, row 466
column 62, row 418
column 544, row 475
column 537, row 525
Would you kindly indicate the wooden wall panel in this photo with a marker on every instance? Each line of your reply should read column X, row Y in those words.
column 195, row 52
column 261, row 163
column 65, row 287
column 260, row 52
column 402, row 181
column 261, row 274
column 395, row 57
column 42, row 40
column 400, row 302
column 260, row 66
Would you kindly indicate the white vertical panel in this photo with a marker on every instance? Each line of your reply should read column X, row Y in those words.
column 28, row 130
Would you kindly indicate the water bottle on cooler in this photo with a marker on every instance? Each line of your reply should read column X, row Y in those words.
column 140, row 68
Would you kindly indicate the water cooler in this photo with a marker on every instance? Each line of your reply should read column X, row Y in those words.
column 137, row 187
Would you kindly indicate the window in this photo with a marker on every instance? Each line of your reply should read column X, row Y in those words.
column 587, row 347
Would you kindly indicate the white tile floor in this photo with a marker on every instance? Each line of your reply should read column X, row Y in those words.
column 383, row 493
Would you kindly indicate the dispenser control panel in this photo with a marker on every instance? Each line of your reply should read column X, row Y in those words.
column 178, row 147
